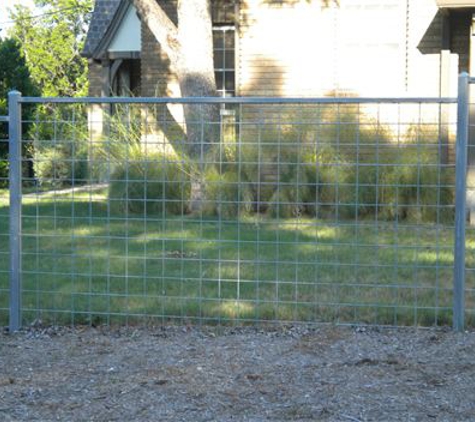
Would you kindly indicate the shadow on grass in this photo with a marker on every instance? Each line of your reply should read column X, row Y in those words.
column 84, row 264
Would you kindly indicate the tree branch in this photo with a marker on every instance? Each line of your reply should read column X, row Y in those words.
column 161, row 26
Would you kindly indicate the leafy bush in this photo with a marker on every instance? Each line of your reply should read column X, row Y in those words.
column 60, row 144
column 57, row 167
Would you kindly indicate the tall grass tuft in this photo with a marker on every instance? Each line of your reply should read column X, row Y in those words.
column 227, row 195
column 144, row 179
column 150, row 184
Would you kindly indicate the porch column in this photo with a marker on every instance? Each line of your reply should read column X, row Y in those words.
column 444, row 88
column 97, row 123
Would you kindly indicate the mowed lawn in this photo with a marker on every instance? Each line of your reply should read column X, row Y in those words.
column 84, row 264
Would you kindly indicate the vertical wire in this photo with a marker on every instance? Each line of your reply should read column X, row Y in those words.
column 297, row 166
column 37, row 228
column 55, row 270
column 438, row 205
column 129, row 160
column 163, row 291
column 316, row 191
column 278, row 305
column 376, row 216
column 337, row 238
column 395, row 243
column 356, row 214
column 239, row 217
column 108, row 226
column 73, row 200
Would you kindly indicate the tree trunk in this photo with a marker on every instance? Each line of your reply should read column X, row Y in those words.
column 196, row 73
column 190, row 50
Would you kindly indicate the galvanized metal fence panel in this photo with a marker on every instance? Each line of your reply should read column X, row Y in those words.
column 247, row 210
column 4, row 219
column 467, row 238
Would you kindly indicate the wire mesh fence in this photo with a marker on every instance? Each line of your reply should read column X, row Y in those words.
column 237, row 211
column 4, row 252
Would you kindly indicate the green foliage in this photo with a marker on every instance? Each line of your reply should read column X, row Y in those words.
column 63, row 165
column 414, row 186
column 48, row 49
column 294, row 193
column 348, row 167
column 14, row 75
column 226, row 194
column 52, row 45
column 143, row 179
column 150, row 184
column 60, row 145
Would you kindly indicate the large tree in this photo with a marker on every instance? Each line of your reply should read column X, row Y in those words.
column 189, row 47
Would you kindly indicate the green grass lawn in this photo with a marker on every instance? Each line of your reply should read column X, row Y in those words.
column 84, row 264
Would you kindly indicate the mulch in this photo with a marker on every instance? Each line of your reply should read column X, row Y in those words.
column 188, row 373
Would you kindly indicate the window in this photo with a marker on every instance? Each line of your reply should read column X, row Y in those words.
column 224, row 63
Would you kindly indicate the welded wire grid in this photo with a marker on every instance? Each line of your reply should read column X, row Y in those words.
column 4, row 254
column 470, row 228
column 278, row 212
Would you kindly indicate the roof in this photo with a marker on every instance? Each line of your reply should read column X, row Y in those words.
column 455, row 3
column 104, row 11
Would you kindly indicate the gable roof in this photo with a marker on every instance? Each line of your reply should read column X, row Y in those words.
column 102, row 17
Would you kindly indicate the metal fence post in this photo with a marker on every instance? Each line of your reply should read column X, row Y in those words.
column 460, row 201
column 15, row 176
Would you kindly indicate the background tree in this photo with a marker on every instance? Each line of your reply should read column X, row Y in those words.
column 14, row 74
column 51, row 42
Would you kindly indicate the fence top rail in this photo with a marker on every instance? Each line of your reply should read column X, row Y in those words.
column 239, row 100
column 4, row 119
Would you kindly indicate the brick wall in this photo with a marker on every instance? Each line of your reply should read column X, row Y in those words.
column 302, row 48
column 366, row 47
column 95, row 79
column 157, row 78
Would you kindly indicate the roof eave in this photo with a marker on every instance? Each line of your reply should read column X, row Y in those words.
column 100, row 52
column 455, row 4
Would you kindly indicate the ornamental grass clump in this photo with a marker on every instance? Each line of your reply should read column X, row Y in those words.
column 226, row 194
column 151, row 184
column 147, row 179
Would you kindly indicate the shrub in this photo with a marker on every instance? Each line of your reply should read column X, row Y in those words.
column 226, row 194
column 60, row 166
column 416, row 189
column 150, row 184
column 60, row 156
column 295, row 192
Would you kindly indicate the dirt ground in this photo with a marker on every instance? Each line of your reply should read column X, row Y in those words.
column 237, row 374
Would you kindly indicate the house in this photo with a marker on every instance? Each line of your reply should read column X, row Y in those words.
column 299, row 48
column 295, row 48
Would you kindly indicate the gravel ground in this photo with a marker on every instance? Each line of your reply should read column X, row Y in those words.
column 237, row 374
